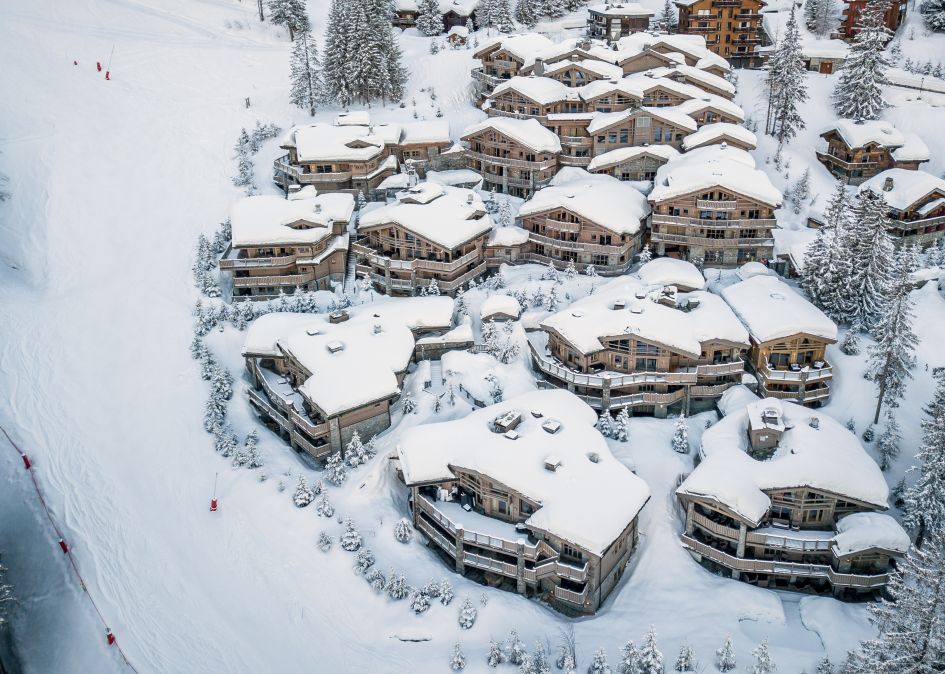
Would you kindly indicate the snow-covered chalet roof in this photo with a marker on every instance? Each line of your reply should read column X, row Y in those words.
column 720, row 132
column 670, row 115
column 621, row 9
column 330, row 142
column 670, row 271
column 828, row 458
column 602, row 68
column 858, row 133
column 590, row 319
column 714, row 166
column 694, row 106
column 624, row 154
column 861, row 531
column 527, row 132
column 909, row 188
column 507, row 236
column 705, row 79
column 499, row 304
column 446, row 216
column 586, row 503
column 525, row 46
column 269, row 220
column 425, row 132
column 772, row 310
column 600, row 198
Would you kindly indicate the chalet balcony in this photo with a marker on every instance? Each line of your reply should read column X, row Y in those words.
column 577, row 141
column 827, row 158
column 710, row 205
column 380, row 259
column 526, row 183
column 819, row 371
column 408, row 285
column 745, row 29
column 238, row 259
column 559, row 263
column 792, row 569
column 659, row 237
column 746, row 223
column 716, row 528
column 580, row 246
column 920, row 223
column 283, row 281
column 484, row 79
column 511, row 162
column 567, row 160
column 562, row 226
column 499, row 112
column 302, row 175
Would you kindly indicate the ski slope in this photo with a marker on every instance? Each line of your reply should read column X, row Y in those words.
column 112, row 182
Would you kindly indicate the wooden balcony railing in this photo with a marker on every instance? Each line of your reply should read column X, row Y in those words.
column 509, row 161
column 747, row 223
column 805, row 374
column 268, row 281
column 731, row 533
column 709, row 204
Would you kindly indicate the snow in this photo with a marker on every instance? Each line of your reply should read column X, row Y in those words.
column 735, row 399
column 694, row 106
column 828, row 458
column 669, row 271
column 606, row 70
column 749, row 269
column 603, row 120
column 507, row 236
column 499, row 304
column 527, row 132
column 861, row 531
column 857, row 133
column 330, row 142
column 773, row 310
column 592, row 318
column 446, row 216
column 719, row 132
column 577, row 500
column 600, row 198
column 706, row 79
column 904, row 78
column 526, row 46
column 425, row 132
column 908, row 187
column 267, row 219
column 913, row 148
column 455, row 178
column 625, row 9
column 542, row 90
column 624, row 154
column 711, row 167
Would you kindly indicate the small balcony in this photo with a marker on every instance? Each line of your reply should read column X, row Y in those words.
column 819, row 370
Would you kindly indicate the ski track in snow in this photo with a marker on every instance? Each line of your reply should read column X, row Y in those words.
column 112, row 182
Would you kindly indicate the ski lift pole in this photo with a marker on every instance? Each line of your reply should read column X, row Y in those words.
column 108, row 64
column 213, row 499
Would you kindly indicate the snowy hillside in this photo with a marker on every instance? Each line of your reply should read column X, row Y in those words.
column 112, row 181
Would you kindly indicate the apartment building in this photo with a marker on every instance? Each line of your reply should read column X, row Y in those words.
column 585, row 220
column 789, row 338
column 731, row 28
column 916, row 202
column 525, row 495
column 515, row 156
column 611, row 22
column 317, row 378
column 788, row 500
column 713, row 205
column 283, row 244
column 859, row 149
column 431, row 235
column 853, row 9
column 505, row 57
column 649, row 348
column 353, row 155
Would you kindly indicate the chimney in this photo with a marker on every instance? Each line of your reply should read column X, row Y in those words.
column 888, row 184
column 469, row 199
column 318, row 208
column 539, row 68
column 814, row 423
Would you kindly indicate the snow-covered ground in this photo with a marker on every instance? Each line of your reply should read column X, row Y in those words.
column 112, row 181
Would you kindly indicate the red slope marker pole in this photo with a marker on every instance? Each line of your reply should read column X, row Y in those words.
column 213, row 499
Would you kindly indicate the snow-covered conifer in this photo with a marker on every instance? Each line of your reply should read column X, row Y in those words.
column 324, row 542
column 303, row 495
column 599, row 663
column 850, row 344
column 364, row 561
column 569, row 271
column 651, row 659
column 763, row 663
column 289, row 13
column 527, row 12
column 910, row 622
column 445, row 592
column 407, row 404
column 892, row 356
column 517, row 650
column 787, row 84
column 505, row 214
column 376, row 580
column 429, row 19
column 433, row 290
column 323, row 507
column 824, row 666
column 827, row 273
column 725, row 656
column 621, row 425
column 629, row 659
column 419, row 602
column 888, row 445
column 495, row 657
column 251, row 450
column 933, row 14
column 355, row 454
column 305, row 78
column 686, row 660
column 458, row 661
column 568, row 664
column 590, row 270
column 335, row 471
column 646, row 254
column 925, row 500
column 605, row 424
column 403, row 532
column 502, row 16
column 198, row 350
column 681, row 436
column 801, row 192
column 873, row 259
column 859, row 90
column 467, row 614
column 667, row 17
column 350, row 539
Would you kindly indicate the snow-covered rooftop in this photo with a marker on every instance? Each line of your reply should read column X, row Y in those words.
column 446, row 216
column 507, row 236
column 908, row 187
column 623, row 154
column 525, row 46
column 720, row 132
column 828, row 458
column 861, row 531
column 622, row 9
column 586, row 503
column 669, row 271
column 713, row 166
column 332, row 142
column 455, row 177
column 528, row 132
column 694, row 106
column 425, row 132
column 268, row 219
column 705, row 79
column 364, row 369
column 602, row 199
column 857, row 133
column 772, row 310
column 592, row 318
column 499, row 304
column 542, row 90
column 602, row 68
column 671, row 115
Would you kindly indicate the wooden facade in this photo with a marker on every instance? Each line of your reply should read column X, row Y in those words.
column 794, row 368
column 731, row 28
column 613, row 21
column 508, row 165
column 642, row 166
column 850, row 17
column 718, row 226
column 853, row 165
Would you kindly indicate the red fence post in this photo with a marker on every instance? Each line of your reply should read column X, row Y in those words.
column 65, row 548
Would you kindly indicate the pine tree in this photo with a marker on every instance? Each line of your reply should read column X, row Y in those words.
column 681, row 436
column 933, row 14
column 646, row 254
column 925, row 500
column 289, row 13
column 335, row 471
column 495, row 656
column 527, row 12
column 407, row 404
column 621, row 426
column 350, row 538
column 540, row 659
column 888, row 445
column 445, row 592
column 324, row 542
column 429, row 19
column 599, row 663
column 667, row 18
column 355, row 454
column 467, row 614
column 554, row 8
column 397, row 587
column 911, row 622
column 763, row 663
column 828, row 269
column 305, row 82
column 376, row 580
column 872, row 256
column 859, row 91
column 801, row 192
column 685, row 661
column 303, row 495
column 502, row 16
column 725, row 656
column 605, row 424
column 891, row 357
column 517, row 649
column 787, row 84
column 402, row 530
column 629, row 659
column 364, row 561
column 824, row 666
column 251, row 449
column 458, row 661
column 651, row 659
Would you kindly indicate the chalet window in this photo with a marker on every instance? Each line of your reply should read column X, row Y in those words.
column 624, row 135
column 658, row 134
column 675, row 211
column 715, row 233
column 780, row 359
column 612, row 137
column 646, row 364
column 525, row 507
column 749, row 233
column 601, row 139
column 503, row 506
column 705, row 215
column 599, row 260
column 323, row 168
column 570, row 551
